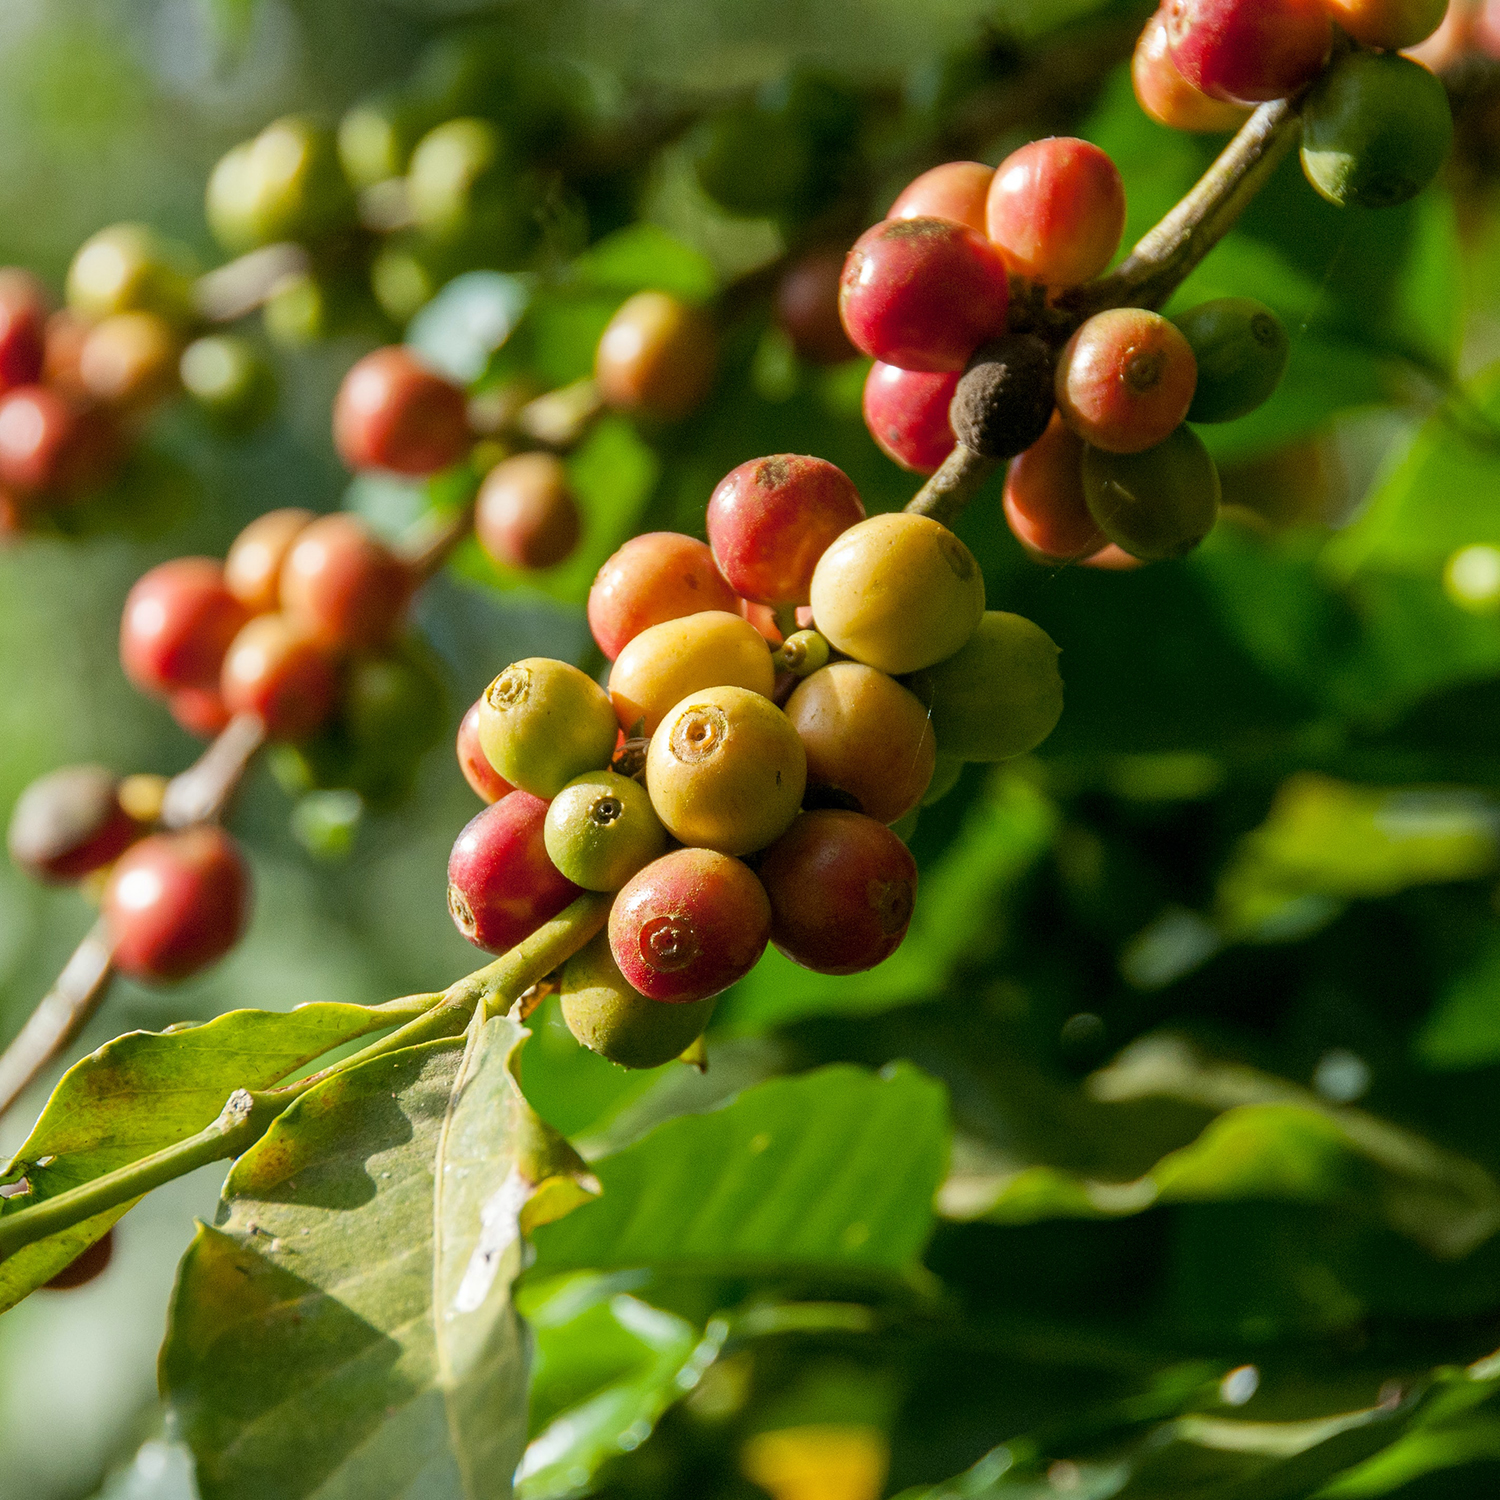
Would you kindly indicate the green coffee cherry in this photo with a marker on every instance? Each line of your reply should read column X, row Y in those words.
column 229, row 380
column 376, row 137
column 751, row 160
column 403, row 279
column 999, row 696
column 1156, row 504
column 611, row 1018
column 130, row 268
column 1241, row 347
column 543, row 722
column 601, row 829
column 1375, row 130
column 462, row 185
column 286, row 184
column 801, row 653
column 945, row 774
column 394, row 708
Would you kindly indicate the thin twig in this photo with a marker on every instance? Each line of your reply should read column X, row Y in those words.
column 961, row 477
column 236, row 289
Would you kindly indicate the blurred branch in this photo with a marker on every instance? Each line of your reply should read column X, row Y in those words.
column 961, row 477
column 236, row 289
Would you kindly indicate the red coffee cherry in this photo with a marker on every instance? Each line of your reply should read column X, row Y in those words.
column 955, row 191
column 1125, row 380
column 392, row 412
column 689, row 925
column 1167, row 96
column 1056, row 211
column 52, row 444
column 771, row 519
column 84, row 1267
column 69, row 822
column 176, row 902
column 907, row 414
column 501, row 884
column 922, row 293
column 343, row 583
column 277, row 669
column 488, row 784
column 526, row 516
column 656, row 356
column 842, row 887
column 252, row 568
column 807, row 308
column 62, row 347
column 23, row 328
column 653, row 578
column 1248, row 53
column 1112, row 559
column 200, row 711
column 177, row 624
column 1044, row 500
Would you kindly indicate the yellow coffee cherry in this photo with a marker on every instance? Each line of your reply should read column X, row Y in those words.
column 543, row 722
column 726, row 771
column 666, row 662
column 898, row 592
column 131, row 268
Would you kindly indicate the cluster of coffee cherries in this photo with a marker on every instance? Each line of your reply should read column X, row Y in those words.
column 732, row 786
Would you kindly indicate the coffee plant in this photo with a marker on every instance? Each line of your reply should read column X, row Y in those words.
column 727, row 434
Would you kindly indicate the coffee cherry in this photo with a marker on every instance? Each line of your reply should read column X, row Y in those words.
column 343, row 583
column 1004, row 400
column 177, row 624
column 907, row 414
column 129, row 361
column 1240, row 348
column 601, row 829
column 392, row 709
column 130, row 268
column 771, row 519
column 62, row 346
column 1112, row 559
column 807, row 308
column 802, row 653
column 1156, row 504
column 898, row 592
column 666, row 662
column 526, row 516
column 1125, row 379
column 1000, row 696
column 609, row 1016
column 394, row 413
column 85, row 1267
column 285, row 184
column 543, row 722
column 462, row 187
column 54, row 444
column 501, row 885
column 659, row 576
column 23, row 324
column 200, row 711
column 689, row 925
column 656, row 356
column 842, row 887
column 488, row 784
column 955, row 191
column 945, row 774
column 922, row 293
column 277, row 669
column 1056, row 211
column 1391, row 25
column 69, row 822
column 865, row 735
column 1167, row 96
column 175, row 903
column 252, row 568
column 229, row 380
column 726, row 771
column 1044, row 501
column 1375, row 130
column 1248, row 53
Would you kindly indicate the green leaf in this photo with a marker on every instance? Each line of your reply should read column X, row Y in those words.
column 833, row 1172
column 347, row 1328
column 644, row 256
column 1463, row 1028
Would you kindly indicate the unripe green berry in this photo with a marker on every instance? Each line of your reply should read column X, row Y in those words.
column 1375, row 129
column 130, row 268
column 1156, row 504
column 460, row 183
column 999, row 696
column 543, row 722
column 1242, row 348
column 611, row 1018
column 802, row 653
column 229, row 380
column 945, row 773
column 601, row 829
column 285, row 184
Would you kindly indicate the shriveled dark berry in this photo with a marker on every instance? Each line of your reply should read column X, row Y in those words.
column 1004, row 399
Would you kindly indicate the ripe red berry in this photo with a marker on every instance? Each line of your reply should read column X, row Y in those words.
column 807, row 307
column 489, row 785
column 653, row 578
column 23, row 328
column 176, row 902
column 1125, row 380
column 200, row 711
column 955, row 191
column 922, row 293
column 689, row 925
column 907, row 414
column 1113, row 559
column 1167, row 96
column 343, row 583
column 656, row 356
column 53, row 444
column 84, row 1267
column 1044, row 500
column 177, row 624
column 526, row 516
column 69, row 822
column 62, row 347
column 392, row 412
column 501, row 884
column 277, row 669
column 771, row 519
column 252, row 568
column 1248, row 52
column 842, row 887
